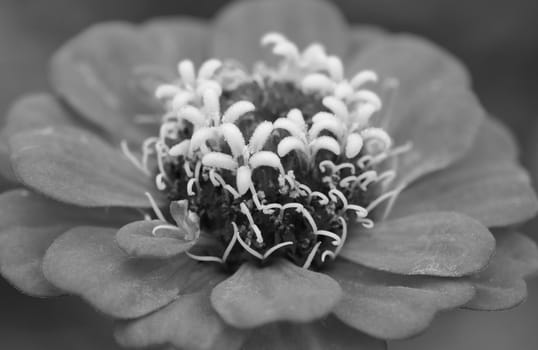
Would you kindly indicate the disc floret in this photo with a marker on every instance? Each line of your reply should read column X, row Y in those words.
column 285, row 183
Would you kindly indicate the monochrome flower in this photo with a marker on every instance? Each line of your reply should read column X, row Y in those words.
column 226, row 187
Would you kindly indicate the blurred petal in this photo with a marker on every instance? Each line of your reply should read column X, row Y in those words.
column 391, row 306
column 432, row 108
column 255, row 296
column 137, row 239
column 486, row 185
column 438, row 244
column 75, row 166
column 240, row 26
column 30, row 112
column 441, row 126
column 189, row 322
column 360, row 37
column 86, row 261
column 29, row 224
column 327, row 334
column 501, row 284
column 418, row 64
column 96, row 71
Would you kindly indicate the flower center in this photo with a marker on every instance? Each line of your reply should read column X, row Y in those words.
column 275, row 163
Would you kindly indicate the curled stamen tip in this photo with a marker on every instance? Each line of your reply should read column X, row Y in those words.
column 244, row 179
column 237, row 110
column 272, row 38
column 186, row 71
column 354, row 145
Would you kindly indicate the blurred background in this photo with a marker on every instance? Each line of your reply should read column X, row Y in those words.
column 497, row 40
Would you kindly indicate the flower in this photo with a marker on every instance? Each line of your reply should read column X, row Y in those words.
column 309, row 202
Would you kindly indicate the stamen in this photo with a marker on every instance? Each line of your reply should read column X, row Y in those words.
column 325, row 142
column 186, row 72
column 155, row 207
column 230, row 246
column 343, row 237
column 205, row 258
column 164, row 227
column 219, row 160
column 255, row 229
column 260, row 136
column 209, row 68
column 325, row 233
column 275, row 248
column 127, row 152
column 237, row 110
column 362, row 78
column 311, row 256
column 327, row 253
column 246, row 246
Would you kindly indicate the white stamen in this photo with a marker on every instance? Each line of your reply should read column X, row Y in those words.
column 164, row 227
column 265, row 158
column 332, row 125
column 317, row 82
column 323, row 199
column 199, row 138
column 247, row 248
column 211, row 105
column 321, row 116
column 296, row 116
column 166, row 91
column 376, row 140
column 275, row 248
column 219, row 160
column 327, row 253
column 181, row 99
column 362, row 78
column 180, row 149
column 190, row 187
column 186, row 72
column 230, row 246
column 369, row 97
column 209, row 68
column 359, row 211
column 310, row 220
column 205, row 258
column 155, row 207
column 193, row 115
column 234, row 138
column 290, row 143
column 325, row 233
column 127, row 152
column 311, row 256
column 337, row 106
column 253, row 226
column 336, row 195
column 343, row 237
column 273, row 38
column 354, row 145
column 289, row 126
column 244, row 179
column 260, row 136
column 325, row 143
column 237, row 110
column 335, row 67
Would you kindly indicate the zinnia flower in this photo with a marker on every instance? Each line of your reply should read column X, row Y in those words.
column 335, row 197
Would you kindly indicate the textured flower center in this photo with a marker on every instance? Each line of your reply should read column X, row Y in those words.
column 273, row 163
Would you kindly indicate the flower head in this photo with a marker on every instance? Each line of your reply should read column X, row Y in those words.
column 344, row 188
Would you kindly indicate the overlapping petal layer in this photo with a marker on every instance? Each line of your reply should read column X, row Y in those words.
column 29, row 224
column 100, row 72
column 487, row 184
column 437, row 244
column 239, row 27
column 87, row 261
column 390, row 306
column 75, row 166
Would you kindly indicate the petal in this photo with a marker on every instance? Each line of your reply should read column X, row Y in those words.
column 432, row 108
column 190, row 322
column 256, row 296
column 137, row 239
column 441, row 125
column 29, row 224
column 86, row 261
column 360, row 37
column 240, row 26
column 417, row 63
column 391, row 306
column 501, row 284
column 325, row 334
column 29, row 112
column 96, row 71
column 486, row 185
column 76, row 167
column 437, row 243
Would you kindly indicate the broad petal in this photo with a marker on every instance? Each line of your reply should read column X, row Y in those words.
column 391, row 306
column 416, row 63
column 432, row 108
column 441, row 125
column 325, row 334
column 75, row 166
column 96, row 71
column 240, row 26
column 436, row 243
column 137, row 239
column 486, row 185
column 86, row 261
column 190, row 322
column 29, row 224
column 280, row 292
column 360, row 37
column 501, row 285
column 29, row 112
